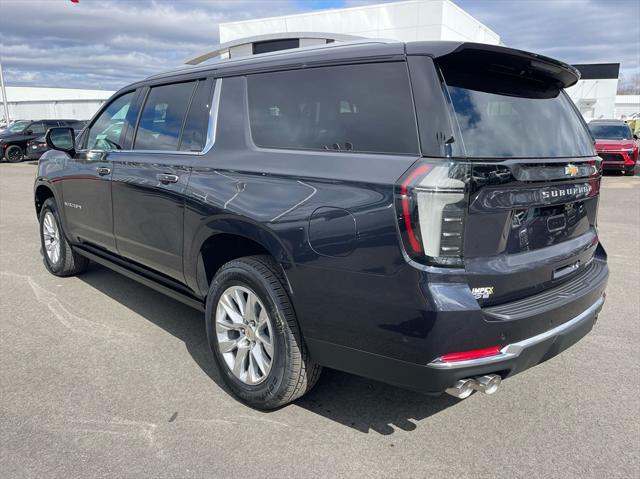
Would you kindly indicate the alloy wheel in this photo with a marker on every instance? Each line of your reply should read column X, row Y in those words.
column 14, row 154
column 51, row 237
column 244, row 334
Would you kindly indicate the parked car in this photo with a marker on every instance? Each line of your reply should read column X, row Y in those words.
column 616, row 145
column 36, row 147
column 343, row 206
column 13, row 140
column 4, row 125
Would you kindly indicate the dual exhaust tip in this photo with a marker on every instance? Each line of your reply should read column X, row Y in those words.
column 463, row 388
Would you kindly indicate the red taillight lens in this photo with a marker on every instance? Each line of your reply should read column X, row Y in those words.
column 406, row 213
column 431, row 206
column 473, row 354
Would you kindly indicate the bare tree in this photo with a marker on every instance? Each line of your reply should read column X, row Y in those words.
column 629, row 85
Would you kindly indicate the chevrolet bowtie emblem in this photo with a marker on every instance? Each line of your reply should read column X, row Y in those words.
column 571, row 170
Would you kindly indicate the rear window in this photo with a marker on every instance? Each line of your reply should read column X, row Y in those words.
column 194, row 133
column 364, row 108
column 503, row 117
column 610, row 132
column 162, row 117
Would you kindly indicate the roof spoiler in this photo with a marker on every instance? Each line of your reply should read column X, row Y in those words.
column 515, row 62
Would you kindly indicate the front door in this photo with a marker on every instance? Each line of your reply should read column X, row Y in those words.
column 86, row 186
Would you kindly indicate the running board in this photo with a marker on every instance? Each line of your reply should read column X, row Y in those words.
column 140, row 277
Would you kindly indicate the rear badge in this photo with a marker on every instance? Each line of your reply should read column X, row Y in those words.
column 571, row 170
column 482, row 293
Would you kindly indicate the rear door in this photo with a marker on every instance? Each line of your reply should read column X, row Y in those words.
column 150, row 178
column 531, row 173
column 533, row 196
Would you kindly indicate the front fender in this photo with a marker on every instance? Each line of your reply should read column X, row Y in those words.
column 51, row 167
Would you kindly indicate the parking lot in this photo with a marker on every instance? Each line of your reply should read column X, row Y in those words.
column 103, row 377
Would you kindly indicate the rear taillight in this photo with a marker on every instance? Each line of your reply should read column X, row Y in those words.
column 431, row 206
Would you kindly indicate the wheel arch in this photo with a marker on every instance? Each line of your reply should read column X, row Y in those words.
column 221, row 240
column 42, row 192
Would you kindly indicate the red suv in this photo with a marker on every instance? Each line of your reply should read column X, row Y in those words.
column 616, row 145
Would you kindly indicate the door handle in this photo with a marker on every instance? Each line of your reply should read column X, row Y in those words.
column 166, row 179
column 103, row 170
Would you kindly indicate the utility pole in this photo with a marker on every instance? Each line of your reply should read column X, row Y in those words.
column 4, row 95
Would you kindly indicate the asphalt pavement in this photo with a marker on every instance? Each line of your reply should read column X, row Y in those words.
column 103, row 377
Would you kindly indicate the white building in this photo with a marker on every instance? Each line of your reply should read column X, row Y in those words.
column 595, row 92
column 414, row 20
column 408, row 21
column 30, row 103
column 627, row 105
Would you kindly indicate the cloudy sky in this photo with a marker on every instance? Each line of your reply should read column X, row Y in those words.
column 108, row 43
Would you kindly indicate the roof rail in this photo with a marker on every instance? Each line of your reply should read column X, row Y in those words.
column 225, row 48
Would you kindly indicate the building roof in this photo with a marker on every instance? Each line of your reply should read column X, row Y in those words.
column 22, row 94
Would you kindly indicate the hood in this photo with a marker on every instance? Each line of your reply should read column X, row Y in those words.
column 614, row 144
column 6, row 135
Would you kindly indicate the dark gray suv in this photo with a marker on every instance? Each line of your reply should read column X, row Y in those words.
column 423, row 214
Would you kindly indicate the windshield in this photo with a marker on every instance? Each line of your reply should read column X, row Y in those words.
column 17, row 126
column 610, row 132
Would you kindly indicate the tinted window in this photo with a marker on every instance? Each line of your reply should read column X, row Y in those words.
column 37, row 128
column 275, row 45
column 76, row 125
column 162, row 117
column 194, row 135
column 105, row 132
column 505, row 117
column 347, row 108
column 610, row 132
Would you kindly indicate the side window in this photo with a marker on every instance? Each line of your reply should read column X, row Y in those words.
column 163, row 116
column 365, row 108
column 37, row 128
column 194, row 135
column 105, row 132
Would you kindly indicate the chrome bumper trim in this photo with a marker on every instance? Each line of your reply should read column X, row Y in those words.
column 513, row 350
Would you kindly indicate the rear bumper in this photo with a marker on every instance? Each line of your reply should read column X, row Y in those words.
column 534, row 350
column 437, row 376
column 529, row 331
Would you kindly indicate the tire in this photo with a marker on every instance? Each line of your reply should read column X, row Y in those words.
column 290, row 373
column 14, row 154
column 630, row 171
column 66, row 262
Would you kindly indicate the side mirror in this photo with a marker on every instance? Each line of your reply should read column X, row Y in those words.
column 28, row 132
column 635, row 137
column 61, row 139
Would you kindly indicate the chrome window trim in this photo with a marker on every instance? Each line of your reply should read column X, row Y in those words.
column 212, row 129
column 513, row 350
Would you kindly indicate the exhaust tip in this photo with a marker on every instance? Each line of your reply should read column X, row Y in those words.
column 487, row 384
column 461, row 389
